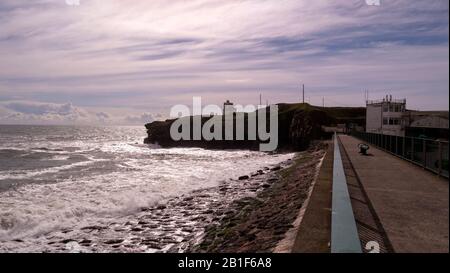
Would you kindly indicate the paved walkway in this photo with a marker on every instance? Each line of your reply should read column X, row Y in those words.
column 411, row 203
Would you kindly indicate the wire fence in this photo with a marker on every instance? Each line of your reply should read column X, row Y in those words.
column 427, row 153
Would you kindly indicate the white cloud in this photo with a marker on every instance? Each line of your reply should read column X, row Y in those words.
column 28, row 112
column 140, row 119
column 154, row 53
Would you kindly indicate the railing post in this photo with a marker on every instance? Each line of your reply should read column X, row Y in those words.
column 440, row 159
column 390, row 144
column 404, row 147
column 396, row 145
column 424, row 153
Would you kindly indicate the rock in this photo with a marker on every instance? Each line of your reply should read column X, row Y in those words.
column 187, row 229
column 276, row 168
column 85, row 242
column 93, row 228
column 244, row 177
column 65, row 241
column 279, row 232
column 151, row 244
column 113, row 241
column 161, row 207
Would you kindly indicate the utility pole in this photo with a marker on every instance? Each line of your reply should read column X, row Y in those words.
column 323, row 102
column 260, row 99
column 303, row 93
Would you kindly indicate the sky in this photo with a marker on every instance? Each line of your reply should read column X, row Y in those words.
column 130, row 61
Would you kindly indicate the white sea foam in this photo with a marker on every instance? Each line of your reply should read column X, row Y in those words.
column 25, row 174
column 117, row 177
column 37, row 209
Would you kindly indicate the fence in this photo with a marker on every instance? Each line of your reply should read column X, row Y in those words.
column 427, row 153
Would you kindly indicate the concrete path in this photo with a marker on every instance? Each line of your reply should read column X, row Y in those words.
column 411, row 203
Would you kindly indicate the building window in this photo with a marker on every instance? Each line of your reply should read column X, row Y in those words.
column 385, row 108
column 385, row 121
column 391, row 108
column 391, row 121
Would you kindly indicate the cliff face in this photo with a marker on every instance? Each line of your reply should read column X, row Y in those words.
column 298, row 125
column 306, row 126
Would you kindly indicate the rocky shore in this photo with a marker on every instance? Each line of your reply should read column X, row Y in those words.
column 247, row 214
column 257, row 223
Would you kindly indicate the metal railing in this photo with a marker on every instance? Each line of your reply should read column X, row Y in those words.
column 427, row 153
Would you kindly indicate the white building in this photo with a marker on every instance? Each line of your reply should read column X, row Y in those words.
column 386, row 116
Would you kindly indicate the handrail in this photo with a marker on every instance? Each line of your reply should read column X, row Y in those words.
column 344, row 234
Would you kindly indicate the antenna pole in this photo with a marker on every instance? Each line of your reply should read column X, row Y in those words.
column 303, row 93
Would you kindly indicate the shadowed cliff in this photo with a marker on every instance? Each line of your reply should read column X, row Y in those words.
column 298, row 125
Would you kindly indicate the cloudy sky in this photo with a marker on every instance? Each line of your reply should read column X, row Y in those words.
column 129, row 61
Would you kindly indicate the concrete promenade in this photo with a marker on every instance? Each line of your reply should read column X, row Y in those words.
column 411, row 203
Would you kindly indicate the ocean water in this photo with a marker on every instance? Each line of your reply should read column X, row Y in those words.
column 58, row 177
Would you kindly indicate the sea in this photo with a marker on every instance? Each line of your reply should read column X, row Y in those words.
column 55, row 178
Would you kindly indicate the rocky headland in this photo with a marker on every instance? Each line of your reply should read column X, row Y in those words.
column 298, row 125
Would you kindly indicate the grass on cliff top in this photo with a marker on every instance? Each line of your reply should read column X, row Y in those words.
column 336, row 112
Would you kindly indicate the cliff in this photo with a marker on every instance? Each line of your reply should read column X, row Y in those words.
column 298, row 125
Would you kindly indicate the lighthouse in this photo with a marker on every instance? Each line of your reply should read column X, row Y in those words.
column 228, row 108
